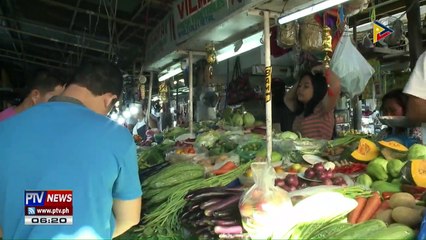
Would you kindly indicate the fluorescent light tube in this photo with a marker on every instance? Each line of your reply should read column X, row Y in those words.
column 170, row 74
column 249, row 43
column 316, row 7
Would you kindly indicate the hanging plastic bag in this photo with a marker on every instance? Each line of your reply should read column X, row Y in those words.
column 352, row 68
column 265, row 209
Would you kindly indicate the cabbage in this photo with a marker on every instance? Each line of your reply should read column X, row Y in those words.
column 227, row 115
column 248, row 120
column 288, row 135
column 207, row 139
column 417, row 151
column 237, row 120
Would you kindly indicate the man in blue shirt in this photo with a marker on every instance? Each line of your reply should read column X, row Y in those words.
column 69, row 144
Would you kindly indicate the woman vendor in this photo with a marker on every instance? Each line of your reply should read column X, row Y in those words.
column 313, row 101
column 394, row 103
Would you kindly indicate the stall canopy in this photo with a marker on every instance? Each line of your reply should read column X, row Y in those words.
column 191, row 25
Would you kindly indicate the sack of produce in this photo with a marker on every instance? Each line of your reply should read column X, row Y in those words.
column 287, row 35
column 310, row 35
column 263, row 206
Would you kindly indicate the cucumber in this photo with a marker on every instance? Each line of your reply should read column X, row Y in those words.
column 174, row 169
column 152, row 192
column 330, row 230
column 359, row 231
column 399, row 232
column 179, row 178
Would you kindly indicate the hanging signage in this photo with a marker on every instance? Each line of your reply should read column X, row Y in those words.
column 193, row 15
column 268, row 83
column 162, row 39
column 163, row 90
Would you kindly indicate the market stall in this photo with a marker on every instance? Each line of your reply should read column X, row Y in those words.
column 235, row 178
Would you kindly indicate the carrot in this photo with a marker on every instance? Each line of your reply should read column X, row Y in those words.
column 354, row 215
column 373, row 203
column 225, row 168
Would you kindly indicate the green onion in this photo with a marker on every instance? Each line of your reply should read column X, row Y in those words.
column 354, row 191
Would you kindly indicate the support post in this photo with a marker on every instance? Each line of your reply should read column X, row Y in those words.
column 191, row 96
column 148, row 108
column 268, row 83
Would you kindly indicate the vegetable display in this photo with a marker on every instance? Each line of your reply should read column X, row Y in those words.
column 204, row 188
column 210, row 212
column 163, row 220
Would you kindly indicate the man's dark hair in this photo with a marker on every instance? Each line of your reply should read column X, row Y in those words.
column 400, row 97
column 319, row 85
column 45, row 81
column 99, row 78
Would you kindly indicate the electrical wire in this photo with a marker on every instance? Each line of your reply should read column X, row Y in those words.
column 285, row 4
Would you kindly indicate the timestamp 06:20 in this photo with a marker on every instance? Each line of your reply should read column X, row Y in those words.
column 48, row 220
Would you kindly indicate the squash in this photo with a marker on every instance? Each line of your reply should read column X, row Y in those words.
column 418, row 172
column 394, row 146
column 367, row 151
column 393, row 150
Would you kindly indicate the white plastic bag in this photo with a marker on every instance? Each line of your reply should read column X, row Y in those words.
column 266, row 209
column 352, row 68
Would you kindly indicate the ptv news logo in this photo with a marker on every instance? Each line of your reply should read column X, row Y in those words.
column 48, row 198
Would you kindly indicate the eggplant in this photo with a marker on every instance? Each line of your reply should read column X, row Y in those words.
column 224, row 222
column 193, row 193
column 210, row 202
column 190, row 207
column 194, row 207
column 235, row 189
column 185, row 215
column 235, row 229
column 226, row 203
column 204, row 222
column 221, row 194
column 225, row 213
column 195, row 216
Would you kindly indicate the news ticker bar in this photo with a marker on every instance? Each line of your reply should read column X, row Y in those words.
column 48, row 220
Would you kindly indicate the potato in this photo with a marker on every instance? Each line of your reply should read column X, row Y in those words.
column 385, row 216
column 402, row 200
column 407, row 216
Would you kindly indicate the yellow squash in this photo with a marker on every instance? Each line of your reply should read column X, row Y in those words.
column 367, row 151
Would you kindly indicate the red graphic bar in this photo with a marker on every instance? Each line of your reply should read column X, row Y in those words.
column 58, row 198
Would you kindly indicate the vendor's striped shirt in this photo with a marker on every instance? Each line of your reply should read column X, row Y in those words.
column 318, row 125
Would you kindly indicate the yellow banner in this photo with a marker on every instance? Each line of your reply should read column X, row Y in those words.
column 268, row 81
